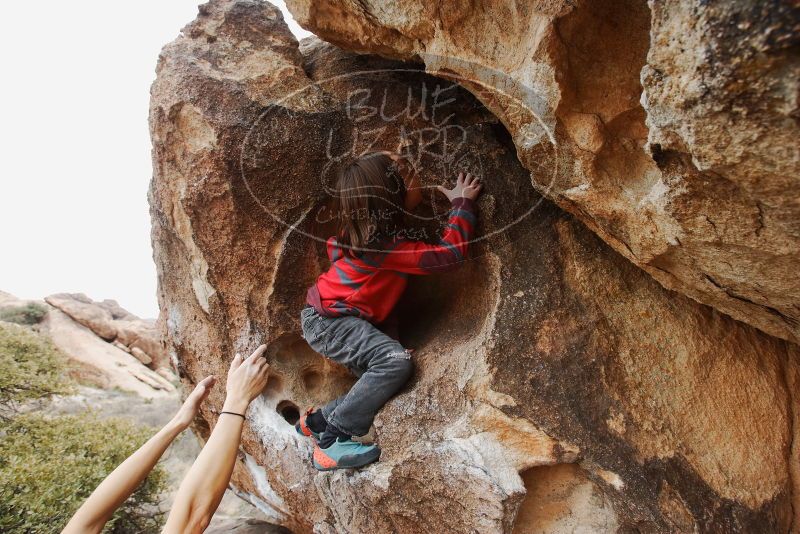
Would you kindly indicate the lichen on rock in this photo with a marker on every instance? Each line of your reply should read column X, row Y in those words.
column 548, row 364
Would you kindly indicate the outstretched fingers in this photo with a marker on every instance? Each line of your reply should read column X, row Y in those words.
column 257, row 354
column 466, row 183
column 203, row 388
column 236, row 362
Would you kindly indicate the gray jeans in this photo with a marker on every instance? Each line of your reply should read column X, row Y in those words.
column 381, row 364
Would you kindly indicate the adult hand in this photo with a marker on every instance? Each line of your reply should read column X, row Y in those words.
column 192, row 403
column 466, row 186
column 92, row 516
column 246, row 380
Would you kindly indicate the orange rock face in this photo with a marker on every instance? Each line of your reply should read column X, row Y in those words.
column 669, row 129
column 557, row 385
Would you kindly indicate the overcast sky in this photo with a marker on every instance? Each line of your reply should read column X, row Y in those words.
column 76, row 147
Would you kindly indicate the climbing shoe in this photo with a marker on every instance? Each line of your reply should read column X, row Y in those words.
column 344, row 454
column 304, row 425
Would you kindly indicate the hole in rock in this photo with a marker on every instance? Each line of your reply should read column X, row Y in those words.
column 312, row 379
column 289, row 411
column 561, row 498
column 437, row 312
column 304, row 377
column 447, row 308
column 274, row 386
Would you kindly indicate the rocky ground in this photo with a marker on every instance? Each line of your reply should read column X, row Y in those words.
column 108, row 346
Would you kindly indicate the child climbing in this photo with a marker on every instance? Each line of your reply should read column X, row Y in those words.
column 370, row 264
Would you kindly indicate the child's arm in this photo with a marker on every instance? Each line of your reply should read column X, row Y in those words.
column 123, row 481
column 421, row 258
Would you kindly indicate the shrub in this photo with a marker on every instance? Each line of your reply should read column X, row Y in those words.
column 30, row 313
column 49, row 466
column 30, row 366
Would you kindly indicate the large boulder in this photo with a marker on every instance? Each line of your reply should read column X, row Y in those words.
column 82, row 310
column 115, row 324
column 73, row 322
column 557, row 386
column 101, row 363
column 669, row 129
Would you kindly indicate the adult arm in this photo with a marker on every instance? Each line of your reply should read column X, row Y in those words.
column 93, row 514
column 204, row 485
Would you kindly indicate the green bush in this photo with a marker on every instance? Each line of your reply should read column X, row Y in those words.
column 30, row 313
column 49, row 466
column 30, row 366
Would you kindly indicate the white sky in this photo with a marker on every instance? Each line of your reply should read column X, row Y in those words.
column 75, row 145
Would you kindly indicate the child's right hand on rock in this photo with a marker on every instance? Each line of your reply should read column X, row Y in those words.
column 466, row 187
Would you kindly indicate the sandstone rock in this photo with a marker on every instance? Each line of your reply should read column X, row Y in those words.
column 669, row 129
column 108, row 366
column 142, row 335
column 247, row 526
column 166, row 374
column 116, row 311
column 141, row 355
column 548, row 364
column 560, row 498
column 80, row 308
column 121, row 346
column 113, row 323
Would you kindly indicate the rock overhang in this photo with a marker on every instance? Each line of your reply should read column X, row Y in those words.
column 540, row 351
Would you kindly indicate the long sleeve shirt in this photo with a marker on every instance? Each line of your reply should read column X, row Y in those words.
column 369, row 285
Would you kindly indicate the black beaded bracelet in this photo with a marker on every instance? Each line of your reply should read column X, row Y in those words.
column 234, row 413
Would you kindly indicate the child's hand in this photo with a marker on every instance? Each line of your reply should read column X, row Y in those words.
column 466, row 186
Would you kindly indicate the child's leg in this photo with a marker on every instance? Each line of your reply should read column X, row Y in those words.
column 383, row 364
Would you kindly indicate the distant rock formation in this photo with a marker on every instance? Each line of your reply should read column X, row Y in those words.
column 558, row 386
column 111, row 347
column 116, row 325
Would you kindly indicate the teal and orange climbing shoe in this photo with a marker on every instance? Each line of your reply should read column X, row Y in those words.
column 304, row 425
column 344, row 454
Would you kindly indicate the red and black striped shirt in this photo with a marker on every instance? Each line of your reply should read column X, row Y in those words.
column 369, row 286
